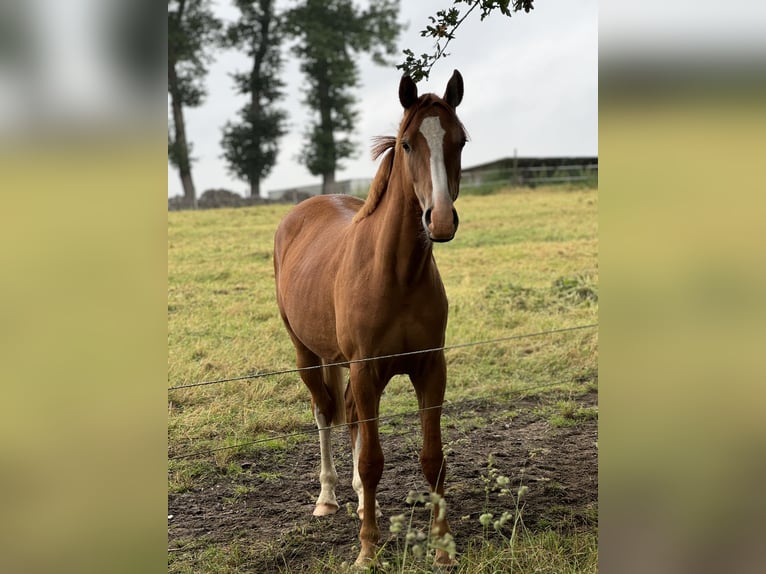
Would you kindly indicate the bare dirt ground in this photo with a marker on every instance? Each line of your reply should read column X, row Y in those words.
column 267, row 508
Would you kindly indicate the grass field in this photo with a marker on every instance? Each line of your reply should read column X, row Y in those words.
column 522, row 262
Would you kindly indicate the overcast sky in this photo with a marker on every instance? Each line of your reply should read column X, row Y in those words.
column 531, row 84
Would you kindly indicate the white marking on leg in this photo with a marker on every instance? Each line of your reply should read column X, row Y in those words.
column 328, row 477
column 432, row 130
column 356, row 482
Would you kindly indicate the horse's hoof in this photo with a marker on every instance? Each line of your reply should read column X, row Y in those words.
column 324, row 509
column 443, row 562
column 363, row 562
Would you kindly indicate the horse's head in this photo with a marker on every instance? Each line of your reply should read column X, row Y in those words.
column 431, row 139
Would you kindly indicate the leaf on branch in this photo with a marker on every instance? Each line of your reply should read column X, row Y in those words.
column 445, row 23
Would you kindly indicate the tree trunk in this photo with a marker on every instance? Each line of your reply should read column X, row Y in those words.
column 255, row 110
column 326, row 126
column 328, row 182
column 179, row 141
column 259, row 51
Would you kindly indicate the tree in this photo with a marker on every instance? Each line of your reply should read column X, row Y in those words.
column 192, row 32
column 331, row 34
column 443, row 27
column 250, row 146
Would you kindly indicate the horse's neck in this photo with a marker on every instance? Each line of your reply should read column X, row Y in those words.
column 401, row 243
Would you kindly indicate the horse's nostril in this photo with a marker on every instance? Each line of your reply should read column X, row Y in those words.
column 427, row 216
column 455, row 218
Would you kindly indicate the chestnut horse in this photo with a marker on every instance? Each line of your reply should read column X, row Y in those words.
column 357, row 280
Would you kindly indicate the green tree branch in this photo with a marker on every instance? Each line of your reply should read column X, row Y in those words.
column 443, row 26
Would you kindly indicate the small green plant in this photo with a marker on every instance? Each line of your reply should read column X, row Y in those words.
column 576, row 289
column 569, row 413
column 183, row 477
column 239, row 492
column 509, row 297
column 269, row 476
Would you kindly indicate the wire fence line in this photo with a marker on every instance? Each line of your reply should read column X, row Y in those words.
column 380, row 357
column 303, row 432
column 313, row 430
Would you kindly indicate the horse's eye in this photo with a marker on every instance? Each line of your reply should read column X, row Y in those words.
column 406, row 147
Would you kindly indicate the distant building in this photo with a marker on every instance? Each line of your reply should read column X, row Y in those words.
column 358, row 187
column 531, row 171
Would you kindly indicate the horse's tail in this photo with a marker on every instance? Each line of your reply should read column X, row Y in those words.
column 333, row 380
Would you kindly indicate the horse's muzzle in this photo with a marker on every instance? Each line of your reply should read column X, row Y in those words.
column 440, row 229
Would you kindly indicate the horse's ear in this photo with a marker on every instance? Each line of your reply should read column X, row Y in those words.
column 453, row 95
column 408, row 92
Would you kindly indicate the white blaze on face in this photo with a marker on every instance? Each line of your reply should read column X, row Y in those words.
column 432, row 130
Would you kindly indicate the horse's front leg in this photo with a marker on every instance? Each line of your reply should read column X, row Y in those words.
column 430, row 383
column 368, row 455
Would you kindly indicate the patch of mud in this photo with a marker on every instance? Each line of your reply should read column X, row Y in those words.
column 267, row 509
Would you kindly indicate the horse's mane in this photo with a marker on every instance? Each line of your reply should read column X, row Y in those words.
column 380, row 145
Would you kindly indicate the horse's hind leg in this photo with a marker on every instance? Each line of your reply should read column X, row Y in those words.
column 323, row 408
column 356, row 447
